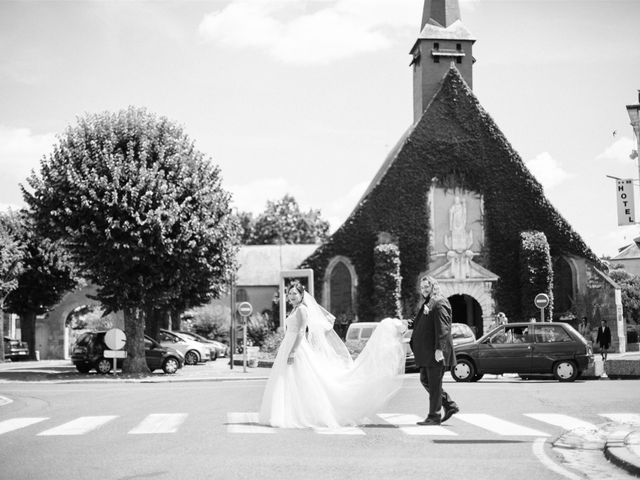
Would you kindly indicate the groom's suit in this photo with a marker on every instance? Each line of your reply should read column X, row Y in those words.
column 431, row 332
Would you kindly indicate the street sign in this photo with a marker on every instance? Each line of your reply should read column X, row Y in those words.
column 245, row 309
column 626, row 203
column 115, row 339
column 114, row 354
column 541, row 300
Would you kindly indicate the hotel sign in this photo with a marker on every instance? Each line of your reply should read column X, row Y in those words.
column 626, row 206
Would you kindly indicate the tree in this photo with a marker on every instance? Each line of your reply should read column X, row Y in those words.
column 142, row 211
column 283, row 222
column 11, row 255
column 536, row 272
column 630, row 290
column 47, row 274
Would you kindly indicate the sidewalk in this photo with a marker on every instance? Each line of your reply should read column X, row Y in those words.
column 63, row 371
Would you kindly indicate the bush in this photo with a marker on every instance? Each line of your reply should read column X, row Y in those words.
column 271, row 343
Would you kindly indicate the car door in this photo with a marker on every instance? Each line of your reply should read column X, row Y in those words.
column 552, row 343
column 507, row 350
column 152, row 354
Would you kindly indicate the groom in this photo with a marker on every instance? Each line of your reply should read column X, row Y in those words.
column 433, row 349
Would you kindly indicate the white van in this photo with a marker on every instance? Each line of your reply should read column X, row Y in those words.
column 361, row 331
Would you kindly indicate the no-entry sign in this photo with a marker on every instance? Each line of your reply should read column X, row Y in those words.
column 245, row 309
column 541, row 300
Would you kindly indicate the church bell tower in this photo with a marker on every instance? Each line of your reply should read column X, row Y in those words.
column 443, row 40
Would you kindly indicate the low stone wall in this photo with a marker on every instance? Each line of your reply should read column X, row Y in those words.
column 622, row 369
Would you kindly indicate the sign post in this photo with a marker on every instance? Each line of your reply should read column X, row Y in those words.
column 541, row 301
column 115, row 340
column 245, row 309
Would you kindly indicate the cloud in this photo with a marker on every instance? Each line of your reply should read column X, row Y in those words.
column 547, row 170
column 20, row 152
column 340, row 208
column 618, row 150
column 253, row 196
column 308, row 33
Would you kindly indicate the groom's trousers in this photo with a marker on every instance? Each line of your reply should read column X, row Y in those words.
column 431, row 380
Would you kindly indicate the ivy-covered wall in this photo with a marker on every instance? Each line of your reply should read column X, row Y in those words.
column 457, row 143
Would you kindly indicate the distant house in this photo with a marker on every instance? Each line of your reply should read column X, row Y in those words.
column 629, row 257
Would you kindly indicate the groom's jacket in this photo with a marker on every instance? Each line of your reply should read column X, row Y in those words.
column 432, row 331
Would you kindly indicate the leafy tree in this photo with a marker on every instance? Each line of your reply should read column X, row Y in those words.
column 47, row 274
column 630, row 290
column 11, row 255
column 284, row 222
column 536, row 272
column 142, row 211
column 247, row 226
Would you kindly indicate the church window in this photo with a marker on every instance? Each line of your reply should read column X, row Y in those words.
column 459, row 60
column 436, row 46
column 459, row 47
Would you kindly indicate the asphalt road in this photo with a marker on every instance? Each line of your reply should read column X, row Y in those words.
column 206, row 430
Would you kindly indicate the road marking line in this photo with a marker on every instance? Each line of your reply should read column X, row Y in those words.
column 246, row 422
column 4, row 400
column 17, row 423
column 339, row 431
column 538, row 451
column 407, row 425
column 560, row 420
column 631, row 418
column 79, row 426
column 499, row 426
column 159, row 423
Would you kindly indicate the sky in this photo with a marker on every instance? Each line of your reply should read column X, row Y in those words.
column 307, row 97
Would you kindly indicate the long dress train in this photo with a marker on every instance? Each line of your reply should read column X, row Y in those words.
column 324, row 387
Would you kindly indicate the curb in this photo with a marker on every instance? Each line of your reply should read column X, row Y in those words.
column 617, row 450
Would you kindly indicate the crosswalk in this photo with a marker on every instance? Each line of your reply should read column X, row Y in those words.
column 534, row 425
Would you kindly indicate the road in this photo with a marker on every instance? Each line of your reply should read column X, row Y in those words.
column 207, row 430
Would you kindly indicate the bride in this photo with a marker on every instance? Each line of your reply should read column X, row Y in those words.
column 315, row 383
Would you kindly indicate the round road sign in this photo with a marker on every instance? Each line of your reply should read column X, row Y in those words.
column 245, row 309
column 541, row 300
column 115, row 339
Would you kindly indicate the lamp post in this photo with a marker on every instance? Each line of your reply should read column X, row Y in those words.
column 634, row 116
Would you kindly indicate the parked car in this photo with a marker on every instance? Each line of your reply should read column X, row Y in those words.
column 525, row 348
column 88, row 354
column 218, row 349
column 193, row 351
column 360, row 331
column 15, row 349
column 461, row 334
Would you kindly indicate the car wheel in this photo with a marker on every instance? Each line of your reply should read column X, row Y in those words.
column 477, row 376
column 103, row 366
column 565, row 371
column 83, row 368
column 191, row 357
column 170, row 366
column 463, row 371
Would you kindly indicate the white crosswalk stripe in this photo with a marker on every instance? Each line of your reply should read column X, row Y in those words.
column 560, row 420
column 79, row 426
column 499, row 426
column 631, row 418
column 246, row 422
column 407, row 425
column 159, row 423
column 18, row 423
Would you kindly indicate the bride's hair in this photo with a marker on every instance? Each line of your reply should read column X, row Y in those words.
column 298, row 286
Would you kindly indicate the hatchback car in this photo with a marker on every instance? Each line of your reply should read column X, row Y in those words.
column 218, row 349
column 15, row 349
column 192, row 350
column 461, row 334
column 88, row 353
column 525, row 348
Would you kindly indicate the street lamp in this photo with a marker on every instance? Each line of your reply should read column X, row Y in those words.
column 634, row 116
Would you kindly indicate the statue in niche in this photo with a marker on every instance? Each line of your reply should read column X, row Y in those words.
column 459, row 241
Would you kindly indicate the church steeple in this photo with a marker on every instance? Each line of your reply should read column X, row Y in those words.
column 443, row 41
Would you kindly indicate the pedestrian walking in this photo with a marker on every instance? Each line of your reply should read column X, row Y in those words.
column 604, row 339
column 583, row 328
column 432, row 347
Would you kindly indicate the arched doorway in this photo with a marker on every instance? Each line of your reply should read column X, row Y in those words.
column 339, row 293
column 466, row 309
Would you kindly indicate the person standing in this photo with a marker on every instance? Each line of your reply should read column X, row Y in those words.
column 584, row 329
column 604, row 339
column 432, row 347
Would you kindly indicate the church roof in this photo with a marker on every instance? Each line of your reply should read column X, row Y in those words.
column 455, row 31
column 260, row 265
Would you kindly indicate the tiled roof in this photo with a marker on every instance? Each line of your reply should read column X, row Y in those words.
column 261, row 264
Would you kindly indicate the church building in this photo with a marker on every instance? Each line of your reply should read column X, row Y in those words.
column 456, row 202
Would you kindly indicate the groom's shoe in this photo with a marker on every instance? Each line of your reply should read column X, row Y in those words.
column 430, row 421
column 448, row 412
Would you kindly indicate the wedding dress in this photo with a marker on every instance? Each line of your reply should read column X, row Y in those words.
column 324, row 387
